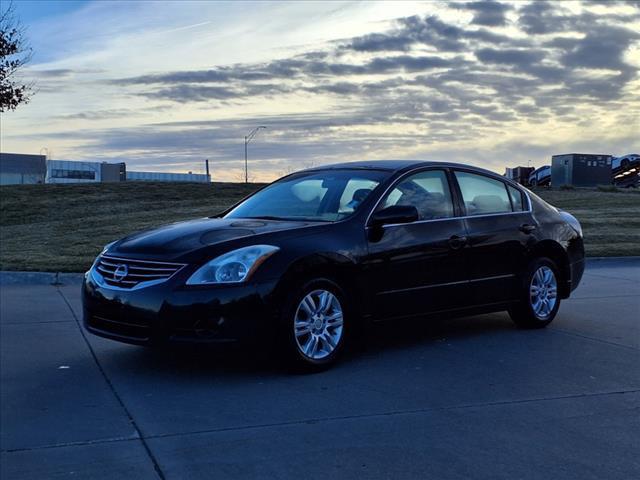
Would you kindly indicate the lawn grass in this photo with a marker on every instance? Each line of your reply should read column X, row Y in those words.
column 63, row 227
column 610, row 219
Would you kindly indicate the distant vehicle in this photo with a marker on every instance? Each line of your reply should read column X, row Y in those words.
column 540, row 176
column 620, row 164
column 303, row 260
column 625, row 171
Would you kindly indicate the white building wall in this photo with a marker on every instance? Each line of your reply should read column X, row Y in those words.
column 19, row 178
column 167, row 177
column 66, row 171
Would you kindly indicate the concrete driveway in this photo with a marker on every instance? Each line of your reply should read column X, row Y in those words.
column 464, row 398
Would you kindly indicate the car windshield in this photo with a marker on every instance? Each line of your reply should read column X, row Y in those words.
column 326, row 195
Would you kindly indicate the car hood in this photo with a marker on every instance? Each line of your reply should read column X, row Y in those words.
column 183, row 237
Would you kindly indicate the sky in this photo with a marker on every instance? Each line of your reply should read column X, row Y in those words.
column 165, row 85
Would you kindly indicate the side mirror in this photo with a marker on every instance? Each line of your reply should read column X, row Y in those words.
column 394, row 214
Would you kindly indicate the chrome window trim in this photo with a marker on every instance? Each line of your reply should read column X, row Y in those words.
column 461, row 217
column 453, row 218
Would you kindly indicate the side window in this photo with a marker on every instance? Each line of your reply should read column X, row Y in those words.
column 427, row 191
column 483, row 195
column 516, row 199
column 355, row 192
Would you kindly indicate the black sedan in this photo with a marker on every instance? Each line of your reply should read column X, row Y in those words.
column 303, row 261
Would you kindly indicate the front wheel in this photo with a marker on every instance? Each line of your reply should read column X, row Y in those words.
column 313, row 326
column 539, row 300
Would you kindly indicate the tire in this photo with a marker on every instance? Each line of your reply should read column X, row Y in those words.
column 537, row 310
column 625, row 163
column 314, row 325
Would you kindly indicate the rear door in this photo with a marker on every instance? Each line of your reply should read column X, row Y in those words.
column 499, row 226
column 419, row 267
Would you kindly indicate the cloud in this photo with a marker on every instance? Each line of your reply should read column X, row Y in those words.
column 544, row 17
column 421, row 85
column 540, row 17
column 192, row 93
column 509, row 56
column 487, row 13
column 379, row 42
column 601, row 48
column 417, row 31
column 53, row 73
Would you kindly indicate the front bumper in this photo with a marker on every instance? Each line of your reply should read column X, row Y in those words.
column 173, row 312
column 576, row 271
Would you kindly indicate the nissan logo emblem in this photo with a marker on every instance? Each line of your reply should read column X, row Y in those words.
column 120, row 272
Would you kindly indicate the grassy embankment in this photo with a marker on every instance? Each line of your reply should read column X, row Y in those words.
column 62, row 227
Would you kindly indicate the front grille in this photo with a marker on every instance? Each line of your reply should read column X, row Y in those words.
column 128, row 273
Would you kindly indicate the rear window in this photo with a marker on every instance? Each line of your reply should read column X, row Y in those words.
column 517, row 199
column 483, row 195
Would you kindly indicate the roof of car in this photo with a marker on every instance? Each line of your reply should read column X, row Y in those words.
column 392, row 165
column 398, row 165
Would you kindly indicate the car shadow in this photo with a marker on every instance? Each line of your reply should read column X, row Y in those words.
column 418, row 331
column 229, row 361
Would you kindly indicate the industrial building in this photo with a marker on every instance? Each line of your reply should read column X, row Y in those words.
column 167, row 177
column 519, row 174
column 17, row 168
column 580, row 170
column 66, row 171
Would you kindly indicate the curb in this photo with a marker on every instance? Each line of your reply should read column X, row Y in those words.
column 58, row 278
column 603, row 261
column 40, row 278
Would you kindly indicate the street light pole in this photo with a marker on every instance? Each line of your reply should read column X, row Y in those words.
column 247, row 139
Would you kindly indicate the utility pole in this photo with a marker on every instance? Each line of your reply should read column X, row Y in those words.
column 247, row 139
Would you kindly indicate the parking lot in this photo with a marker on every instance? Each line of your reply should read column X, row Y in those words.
column 448, row 399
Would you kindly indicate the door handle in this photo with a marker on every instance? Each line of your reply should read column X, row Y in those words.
column 456, row 242
column 527, row 228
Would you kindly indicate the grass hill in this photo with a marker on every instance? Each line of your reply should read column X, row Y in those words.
column 63, row 227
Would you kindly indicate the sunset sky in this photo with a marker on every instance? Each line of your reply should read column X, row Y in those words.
column 164, row 85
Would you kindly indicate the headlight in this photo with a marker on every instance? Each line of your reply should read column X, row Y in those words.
column 233, row 267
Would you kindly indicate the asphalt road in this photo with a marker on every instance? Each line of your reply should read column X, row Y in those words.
column 455, row 399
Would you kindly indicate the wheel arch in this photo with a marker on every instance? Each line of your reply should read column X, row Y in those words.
column 555, row 252
column 332, row 266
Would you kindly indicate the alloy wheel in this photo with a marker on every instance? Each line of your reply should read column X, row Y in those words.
column 318, row 324
column 543, row 292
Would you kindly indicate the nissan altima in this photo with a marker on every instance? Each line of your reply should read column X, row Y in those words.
column 303, row 261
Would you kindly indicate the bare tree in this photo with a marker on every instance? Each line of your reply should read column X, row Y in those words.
column 15, row 53
column 239, row 177
column 288, row 170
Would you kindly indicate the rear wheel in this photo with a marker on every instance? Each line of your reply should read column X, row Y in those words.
column 313, row 326
column 539, row 300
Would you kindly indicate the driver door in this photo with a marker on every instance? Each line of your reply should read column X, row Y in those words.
column 419, row 267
